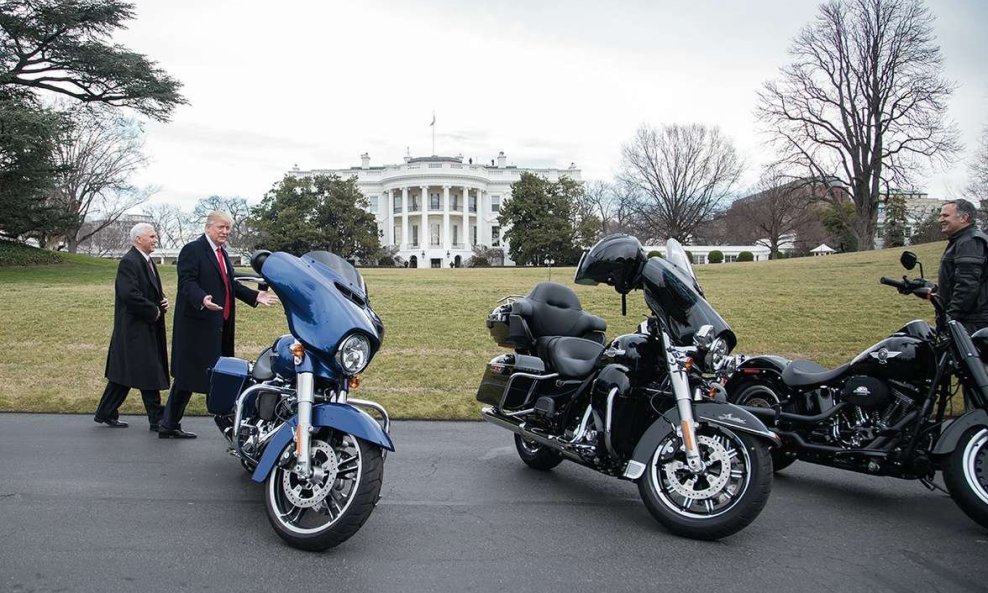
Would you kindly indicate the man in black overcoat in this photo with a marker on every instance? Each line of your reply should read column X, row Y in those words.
column 205, row 318
column 138, row 356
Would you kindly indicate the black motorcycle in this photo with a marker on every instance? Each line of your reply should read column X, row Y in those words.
column 884, row 412
column 640, row 408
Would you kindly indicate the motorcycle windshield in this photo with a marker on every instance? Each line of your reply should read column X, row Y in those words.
column 324, row 298
column 673, row 294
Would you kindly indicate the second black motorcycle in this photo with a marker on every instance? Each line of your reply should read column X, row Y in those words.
column 639, row 408
column 885, row 412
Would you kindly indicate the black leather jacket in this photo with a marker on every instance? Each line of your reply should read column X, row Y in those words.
column 963, row 282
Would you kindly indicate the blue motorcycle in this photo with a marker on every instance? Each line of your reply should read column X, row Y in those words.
column 288, row 416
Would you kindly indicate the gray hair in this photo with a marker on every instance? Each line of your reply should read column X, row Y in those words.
column 139, row 229
column 964, row 208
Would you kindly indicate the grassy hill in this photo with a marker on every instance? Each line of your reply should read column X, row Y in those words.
column 55, row 323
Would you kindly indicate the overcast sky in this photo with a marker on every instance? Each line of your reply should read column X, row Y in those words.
column 317, row 83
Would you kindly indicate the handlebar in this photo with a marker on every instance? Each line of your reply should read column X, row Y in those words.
column 920, row 288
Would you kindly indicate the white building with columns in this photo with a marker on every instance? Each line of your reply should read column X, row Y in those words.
column 436, row 208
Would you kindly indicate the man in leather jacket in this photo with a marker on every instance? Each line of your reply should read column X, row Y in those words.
column 963, row 283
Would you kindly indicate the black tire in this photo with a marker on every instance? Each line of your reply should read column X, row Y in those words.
column 966, row 474
column 537, row 456
column 355, row 488
column 728, row 507
column 761, row 395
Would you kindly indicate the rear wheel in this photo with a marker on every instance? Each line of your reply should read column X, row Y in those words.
column 966, row 474
column 318, row 512
column 718, row 501
column 759, row 395
column 536, row 456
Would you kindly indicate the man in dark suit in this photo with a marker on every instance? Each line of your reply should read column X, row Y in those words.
column 138, row 356
column 205, row 317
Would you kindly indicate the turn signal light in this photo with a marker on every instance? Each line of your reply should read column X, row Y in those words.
column 355, row 381
column 689, row 363
column 298, row 351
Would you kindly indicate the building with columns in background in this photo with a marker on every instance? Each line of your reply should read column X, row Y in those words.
column 435, row 209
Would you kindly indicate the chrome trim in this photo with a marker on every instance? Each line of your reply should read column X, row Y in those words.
column 366, row 403
column 488, row 414
column 681, row 388
column 531, row 390
column 583, row 426
column 238, row 410
column 634, row 470
column 306, row 397
column 607, row 421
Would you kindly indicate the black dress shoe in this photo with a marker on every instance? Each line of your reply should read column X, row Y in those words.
column 112, row 422
column 153, row 428
column 174, row 433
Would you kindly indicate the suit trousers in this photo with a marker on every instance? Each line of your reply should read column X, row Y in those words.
column 114, row 396
column 178, row 399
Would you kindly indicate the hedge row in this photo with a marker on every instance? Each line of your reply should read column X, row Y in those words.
column 16, row 254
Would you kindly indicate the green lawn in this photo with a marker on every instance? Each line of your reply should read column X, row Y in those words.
column 55, row 324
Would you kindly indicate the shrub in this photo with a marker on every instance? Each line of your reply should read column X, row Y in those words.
column 715, row 257
column 778, row 255
column 16, row 254
column 654, row 253
column 746, row 256
column 386, row 261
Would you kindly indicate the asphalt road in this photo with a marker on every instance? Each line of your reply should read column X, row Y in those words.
column 89, row 508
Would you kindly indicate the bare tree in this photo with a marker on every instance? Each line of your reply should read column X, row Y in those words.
column 681, row 175
column 977, row 188
column 863, row 101
column 175, row 226
column 109, row 239
column 97, row 153
column 241, row 234
column 778, row 206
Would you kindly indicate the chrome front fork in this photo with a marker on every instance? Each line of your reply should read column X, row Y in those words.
column 676, row 363
column 303, row 433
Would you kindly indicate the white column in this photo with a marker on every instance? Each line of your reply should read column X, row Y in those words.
column 466, row 217
column 389, row 217
column 424, row 234
column 404, row 219
column 447, row 232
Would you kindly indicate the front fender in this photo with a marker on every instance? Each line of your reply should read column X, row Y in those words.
column 949, row 438
column 342, row 417
column 727, row 415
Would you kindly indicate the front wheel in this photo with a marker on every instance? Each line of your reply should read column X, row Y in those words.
column 536, row 456
column 718, row 501
column 966, row 474
column 326, row 509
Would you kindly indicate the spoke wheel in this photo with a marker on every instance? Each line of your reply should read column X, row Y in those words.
column 966, row 474
column 722, row 498
column 325, row 509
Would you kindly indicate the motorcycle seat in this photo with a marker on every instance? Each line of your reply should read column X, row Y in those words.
column 572, row 358
column 552, row 309
column 806, row 373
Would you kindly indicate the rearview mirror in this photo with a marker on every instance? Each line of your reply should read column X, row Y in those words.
column 908, row 260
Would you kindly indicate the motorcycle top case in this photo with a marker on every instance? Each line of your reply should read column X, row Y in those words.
column 227, row 379
column 498, row 374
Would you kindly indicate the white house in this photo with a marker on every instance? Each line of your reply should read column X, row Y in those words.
column 701, row 253
column 436, row 208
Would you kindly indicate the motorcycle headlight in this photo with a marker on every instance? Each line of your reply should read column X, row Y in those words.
column 353, row 354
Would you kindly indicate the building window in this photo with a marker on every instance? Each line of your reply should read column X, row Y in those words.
column 495, row 203
column 473, row 234
column 730, row 258
column 415, row 235
column 456, row 234
column 455, row 202
column 473, row 203
column 397, row 204
column 397, row 234
column 373, row 203
column 415, row 204
column 700, row 258
column 434, row 235
column 495, row 236
column 434, row 202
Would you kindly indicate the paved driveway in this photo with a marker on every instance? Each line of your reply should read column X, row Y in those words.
column 89, row 508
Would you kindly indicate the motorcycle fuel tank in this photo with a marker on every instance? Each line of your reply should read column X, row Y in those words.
column 637, row 352
column 897, row 358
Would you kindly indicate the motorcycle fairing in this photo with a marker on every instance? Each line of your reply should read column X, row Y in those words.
column 342, row 417
column 727, row 415
column 953, row 433
column 321, row 305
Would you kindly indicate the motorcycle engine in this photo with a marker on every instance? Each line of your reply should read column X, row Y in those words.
column 876, row 406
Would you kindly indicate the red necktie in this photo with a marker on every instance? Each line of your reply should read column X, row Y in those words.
column 226, row 283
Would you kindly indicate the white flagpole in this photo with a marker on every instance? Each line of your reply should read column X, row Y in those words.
column 433, row 124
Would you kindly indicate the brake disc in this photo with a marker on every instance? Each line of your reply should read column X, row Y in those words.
column 682, row 481
column 307, row 493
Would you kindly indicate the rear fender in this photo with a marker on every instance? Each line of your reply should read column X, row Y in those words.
column 948, row 440
column 342, row 417
column 721, row 414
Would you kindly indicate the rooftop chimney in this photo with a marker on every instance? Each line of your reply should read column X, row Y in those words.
column 365, row 161
column 502, row 160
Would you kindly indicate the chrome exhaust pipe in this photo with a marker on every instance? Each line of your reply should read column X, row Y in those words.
column 487, row 413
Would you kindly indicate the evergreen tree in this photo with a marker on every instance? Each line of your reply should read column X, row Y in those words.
column 896, row 219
